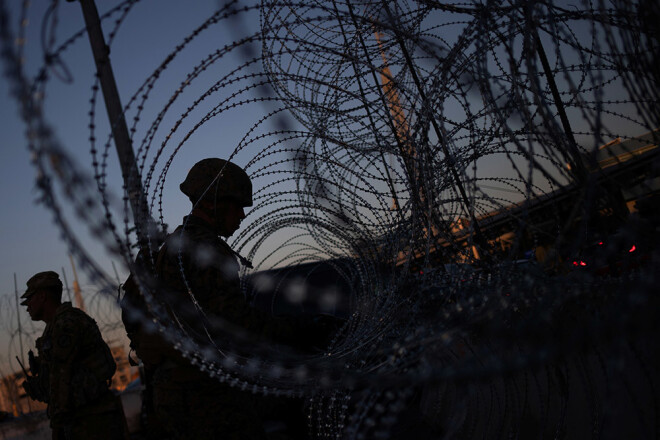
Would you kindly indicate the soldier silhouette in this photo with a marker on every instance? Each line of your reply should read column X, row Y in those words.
column 73, row 368
column 196, row 262
column 195, row 258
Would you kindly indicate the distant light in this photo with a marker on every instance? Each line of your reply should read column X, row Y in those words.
column 582, row 263
column 421, row 272
column 575, row 263
column 600, row 243
column 632, row 249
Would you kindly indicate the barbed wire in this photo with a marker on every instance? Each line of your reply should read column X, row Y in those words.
column 408, row 138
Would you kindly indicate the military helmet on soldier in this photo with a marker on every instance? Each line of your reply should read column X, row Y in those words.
column 214, row 179
column 48, row 280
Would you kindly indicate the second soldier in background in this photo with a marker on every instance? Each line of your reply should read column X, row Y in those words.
column 73, row 368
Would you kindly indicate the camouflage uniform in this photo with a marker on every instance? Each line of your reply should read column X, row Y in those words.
column 71, row 374
column 188, row 403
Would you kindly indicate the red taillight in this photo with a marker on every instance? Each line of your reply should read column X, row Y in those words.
column 632, row 249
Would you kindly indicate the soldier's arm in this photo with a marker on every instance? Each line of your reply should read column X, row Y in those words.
column 223, row 298
column 214, row 282
column 30, row 384
column 34, row 362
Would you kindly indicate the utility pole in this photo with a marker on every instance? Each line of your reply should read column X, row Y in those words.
column 20, row 340
column 66, row 285
column 398, row 116
column 114, row 268
column 114, row 108
column 571, row 154
column 18, row 319
column 480, row 239
column 395, row 201
column 76, row 288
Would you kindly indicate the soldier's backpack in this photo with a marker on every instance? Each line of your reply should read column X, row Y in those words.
column 132, row 306
column 147, row 344
column 93, row 371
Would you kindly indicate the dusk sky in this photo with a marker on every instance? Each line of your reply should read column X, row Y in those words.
column 449, row 178
column 30, row 242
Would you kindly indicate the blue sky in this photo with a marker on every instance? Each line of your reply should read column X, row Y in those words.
column 30, row 242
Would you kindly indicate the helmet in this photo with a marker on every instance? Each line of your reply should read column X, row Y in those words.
column 216, row 179
column 43, row 280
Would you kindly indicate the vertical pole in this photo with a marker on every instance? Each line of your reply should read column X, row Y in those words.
column 114, row 268
column 579, row 171
column 18, row 319
column 397, row 114
column 66, row 284
column 573, row 155
column 395, row 200
column 77, row 293
column 20, row 341
column 480, row 238
column 115, row 112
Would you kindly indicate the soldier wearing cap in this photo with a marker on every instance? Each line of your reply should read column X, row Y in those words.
column 73, row 368
column 195, row 258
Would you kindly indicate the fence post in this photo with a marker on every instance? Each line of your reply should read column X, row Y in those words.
column 123, row 143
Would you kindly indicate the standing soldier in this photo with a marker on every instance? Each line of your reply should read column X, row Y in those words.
column 73, row 368
column 195, row 258
column 196, row 261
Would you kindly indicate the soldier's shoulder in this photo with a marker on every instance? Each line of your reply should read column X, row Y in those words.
column 75, row 313
column 223, row 247
column 187, row 236
column 195, row 238
column 199, row 231
column 74, row 316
